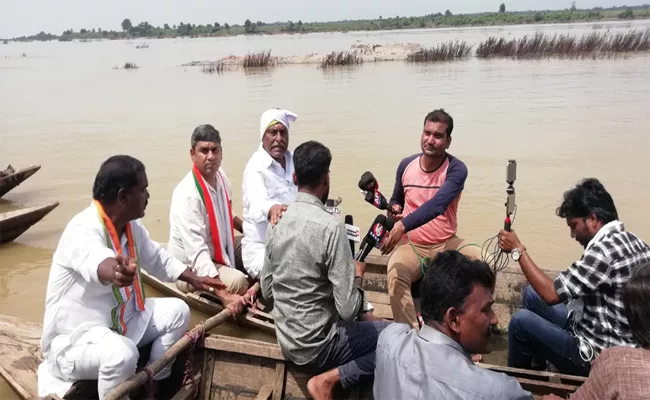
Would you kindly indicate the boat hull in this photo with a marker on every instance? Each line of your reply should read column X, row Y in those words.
column 11, row 181
column 15, row 223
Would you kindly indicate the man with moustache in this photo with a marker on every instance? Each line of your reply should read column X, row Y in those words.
column 568, row 321
column 96, row 314
column 435, row 362
column 202, row 224
column 425, row 201
column 268, row 186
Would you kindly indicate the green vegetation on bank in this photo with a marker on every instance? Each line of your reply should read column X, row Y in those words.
column 437, row 20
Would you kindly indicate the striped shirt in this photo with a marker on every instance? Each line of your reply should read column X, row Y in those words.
column 597, row 280
column 429, row 199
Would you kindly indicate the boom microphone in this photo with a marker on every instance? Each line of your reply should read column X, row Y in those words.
column 380, row 226
column 369, row 185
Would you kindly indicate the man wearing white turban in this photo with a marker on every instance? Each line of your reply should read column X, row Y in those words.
column 268, row 186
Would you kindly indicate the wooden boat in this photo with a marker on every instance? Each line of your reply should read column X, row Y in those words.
column 220, row 367
column 15, row 223
column 12, row 180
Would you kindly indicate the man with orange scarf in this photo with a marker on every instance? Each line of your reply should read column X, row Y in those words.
column 96, row 314
column 202, row 223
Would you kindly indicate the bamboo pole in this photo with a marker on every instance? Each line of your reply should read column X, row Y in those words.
column 183, row 343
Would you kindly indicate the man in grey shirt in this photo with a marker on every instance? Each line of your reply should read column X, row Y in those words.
column 436, row 363
column 315, row 283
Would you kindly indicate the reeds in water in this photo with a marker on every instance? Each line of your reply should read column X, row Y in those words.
column 591, row 45
column 130, row 65
column 214, row 68
column 258, row 60
column 340, row 58
column 452, row 50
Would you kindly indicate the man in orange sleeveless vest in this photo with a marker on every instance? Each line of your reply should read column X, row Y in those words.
column 202, row 224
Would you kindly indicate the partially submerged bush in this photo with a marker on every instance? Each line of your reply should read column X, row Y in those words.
column 257, row 60
column 448, row 51
column 591, row 45
column 341, row 58
column 130, row 65
column 214, row 68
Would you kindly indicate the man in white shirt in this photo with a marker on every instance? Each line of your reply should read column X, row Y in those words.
column 96, row 314
column 268, row 186
column 202, row 224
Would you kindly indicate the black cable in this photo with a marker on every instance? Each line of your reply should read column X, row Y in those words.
column 492, row 253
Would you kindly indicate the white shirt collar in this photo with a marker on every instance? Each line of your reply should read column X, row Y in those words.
column 265, row 160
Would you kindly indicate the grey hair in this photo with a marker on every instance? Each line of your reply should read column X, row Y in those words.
column 205, row 133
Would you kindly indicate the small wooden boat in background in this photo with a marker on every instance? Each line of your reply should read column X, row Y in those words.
column 15, row 223
column 12, row 180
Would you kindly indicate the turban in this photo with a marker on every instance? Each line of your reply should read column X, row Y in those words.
column 274, row 116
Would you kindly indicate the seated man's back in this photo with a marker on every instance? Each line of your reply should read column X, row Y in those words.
column 314, row 281
column 305, row 298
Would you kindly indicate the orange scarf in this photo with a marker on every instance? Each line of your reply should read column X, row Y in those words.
column 123, row 294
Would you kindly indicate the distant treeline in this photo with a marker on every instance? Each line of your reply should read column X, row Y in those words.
column 446, row 19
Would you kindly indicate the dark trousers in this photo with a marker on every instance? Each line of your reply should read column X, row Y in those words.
column 540, row 332
column 352, row 350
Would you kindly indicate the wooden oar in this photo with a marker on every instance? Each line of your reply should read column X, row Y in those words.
column 183, row 343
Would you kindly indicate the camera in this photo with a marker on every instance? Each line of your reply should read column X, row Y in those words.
column 511, row 172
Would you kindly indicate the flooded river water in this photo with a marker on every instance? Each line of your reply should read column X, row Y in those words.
column 63, row 106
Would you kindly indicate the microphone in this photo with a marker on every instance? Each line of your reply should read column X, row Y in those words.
column 369, row 185
column 351, row 231
column 380, row 226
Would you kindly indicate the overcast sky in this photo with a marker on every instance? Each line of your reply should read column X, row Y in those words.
column 26, row 17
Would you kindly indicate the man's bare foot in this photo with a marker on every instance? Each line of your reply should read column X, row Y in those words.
column 477, row 357
column 320, row 387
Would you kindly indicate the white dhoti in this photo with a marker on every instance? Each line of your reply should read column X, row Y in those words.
column 253, row 258
column 101, row 353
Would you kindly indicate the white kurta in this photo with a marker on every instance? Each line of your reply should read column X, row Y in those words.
column 265, row 184
column 190, row 238
column 76, row 301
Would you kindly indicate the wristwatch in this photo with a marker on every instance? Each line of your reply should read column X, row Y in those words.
column 516, row 254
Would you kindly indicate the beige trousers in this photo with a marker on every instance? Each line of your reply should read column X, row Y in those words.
column 233, row 278
column 404, row 269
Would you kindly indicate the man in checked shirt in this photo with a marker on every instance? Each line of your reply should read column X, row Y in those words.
column 622, row 372
column 545, row 330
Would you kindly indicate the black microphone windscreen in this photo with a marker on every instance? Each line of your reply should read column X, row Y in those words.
column 390, row 223
column 349, row 220
column 367, row 181
column 379, row 219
